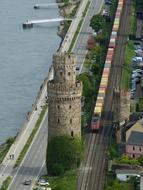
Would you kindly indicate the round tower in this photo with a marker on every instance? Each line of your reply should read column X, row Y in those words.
column 64, row 98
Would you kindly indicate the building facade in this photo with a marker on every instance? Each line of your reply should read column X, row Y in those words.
column 134, row 140
column 64, row 98
column 134, row 145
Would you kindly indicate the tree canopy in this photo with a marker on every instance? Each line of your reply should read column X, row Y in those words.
column 97, row 22
column 87, row 84
column 63, row 153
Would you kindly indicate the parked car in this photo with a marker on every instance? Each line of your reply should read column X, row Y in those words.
column 136, row 75
column 139, row 71
column 137, row 59
column 136, row 80
column 137, row 43
column 138, row 51
column 137, row 47
column 43, row 182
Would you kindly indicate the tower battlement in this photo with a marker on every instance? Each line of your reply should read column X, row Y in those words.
column 55, row 89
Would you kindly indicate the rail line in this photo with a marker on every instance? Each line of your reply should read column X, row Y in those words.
column 94, row 179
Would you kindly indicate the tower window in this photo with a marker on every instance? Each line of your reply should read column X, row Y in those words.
column 140, row 149
column 58, row 120
column 70, row 120
column 72, row 133
column 58, row 106
column 61, row 73
column 70, row 106
column 133, row 148
column 69, row 73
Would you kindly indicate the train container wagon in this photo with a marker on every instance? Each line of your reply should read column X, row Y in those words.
column 115, row 27
column 96, row 121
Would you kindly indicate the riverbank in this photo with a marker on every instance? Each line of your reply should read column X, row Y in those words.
column 68, row 10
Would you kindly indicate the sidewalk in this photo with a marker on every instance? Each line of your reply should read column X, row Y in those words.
column 73, row 27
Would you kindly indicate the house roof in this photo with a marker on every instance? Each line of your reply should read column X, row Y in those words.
column 126, row 171
column 135, row 138
column 138, row 126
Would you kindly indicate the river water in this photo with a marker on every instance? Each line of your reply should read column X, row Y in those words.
column 25, row 57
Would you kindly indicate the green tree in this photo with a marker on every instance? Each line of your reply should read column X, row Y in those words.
column 140, row 104
column 97, row 22
column 87, row 84
column 63, row 153
column 140, row 159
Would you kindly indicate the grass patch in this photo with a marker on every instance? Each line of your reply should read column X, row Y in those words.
column 65, row 182
column 126, row 70
column 66, row 26
column 75, row 36
column 4, row 148
column 86, row 9
column 118, row 185
column 30, row 139
column 6, row 183
column 133, row 20
column 113, row 149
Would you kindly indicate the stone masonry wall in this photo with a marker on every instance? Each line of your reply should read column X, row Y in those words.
column 64, row 98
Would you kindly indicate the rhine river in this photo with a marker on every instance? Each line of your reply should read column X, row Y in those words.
column 25, row 57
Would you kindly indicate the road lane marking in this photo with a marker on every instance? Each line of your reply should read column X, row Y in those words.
column 28, row 149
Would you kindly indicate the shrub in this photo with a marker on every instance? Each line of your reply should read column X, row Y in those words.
column 63, row 153
column 87, row 84
column 57, row 169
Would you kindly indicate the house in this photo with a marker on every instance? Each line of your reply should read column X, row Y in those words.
column 134, row 140
column 138, row 126
column 124, row 175
column 134, row 144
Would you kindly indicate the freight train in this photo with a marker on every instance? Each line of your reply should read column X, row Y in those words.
column 96, row 121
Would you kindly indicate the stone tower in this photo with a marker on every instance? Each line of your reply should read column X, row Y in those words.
column 64, row 98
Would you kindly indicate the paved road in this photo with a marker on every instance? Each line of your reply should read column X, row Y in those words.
column 34, row 162
column 80, row 48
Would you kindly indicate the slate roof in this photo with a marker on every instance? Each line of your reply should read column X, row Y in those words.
column 126, row 171
column 135, row 138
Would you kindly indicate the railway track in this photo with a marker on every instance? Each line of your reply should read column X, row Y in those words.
column 93, row 175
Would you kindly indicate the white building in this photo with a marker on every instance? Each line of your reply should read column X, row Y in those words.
column 124, row 175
